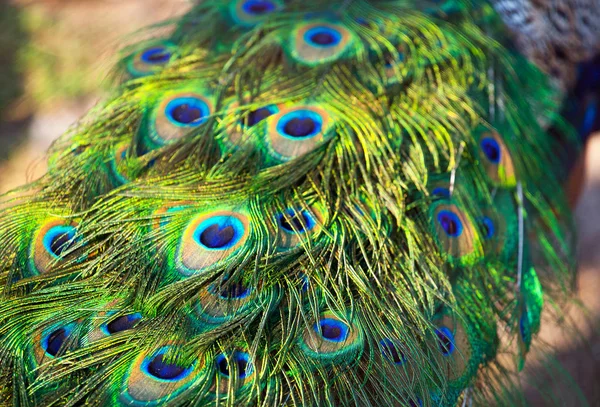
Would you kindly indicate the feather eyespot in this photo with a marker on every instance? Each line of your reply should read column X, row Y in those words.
column 456, row 233
column 295, row 225
column 332, row 330
column 59, row 239
column 54, row 341
column 445, row 340
column 234, row 131
column 248, row 13
column 491, row 149
column 122, row 323
column 415, row 402
column 259, row 7
column 300, row 124
column 230, row 291
column 442, row 192
column 260, row 114
column 52, row 243
column 331, row 339
column 296, row 131
column 523, row 326
column 210, row 238
column 175, row 116
column 155, row 378
column 320, row 42
column 391, row 351
column 323, row 36
column 487, row 225
column 187, row 111
column 296, row 221
column 496, row 158
column 150, row 59
column 219, row 232
column 450, row 223
column 242, row 361
column 157, row 367
column 156, row 55
column 220, row 302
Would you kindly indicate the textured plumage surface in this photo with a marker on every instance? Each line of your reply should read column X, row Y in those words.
column 305, row 203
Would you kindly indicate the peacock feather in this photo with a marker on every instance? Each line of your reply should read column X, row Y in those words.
column 301, row 203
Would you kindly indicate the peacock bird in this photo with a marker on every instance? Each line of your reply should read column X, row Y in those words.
column 306, row 203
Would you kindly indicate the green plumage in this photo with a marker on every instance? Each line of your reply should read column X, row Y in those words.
column 299, row 203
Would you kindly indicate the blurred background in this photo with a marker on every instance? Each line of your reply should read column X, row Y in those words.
column 55, row 56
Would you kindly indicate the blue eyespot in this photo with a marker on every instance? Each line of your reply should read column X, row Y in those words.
column 54, row 341
column 323, row 37
column 122, row 323
column 445, row 340
column 524, row 325
column 300, row 124
column 156, row 55
column 450, row 222
column 415, row 402
column 491, row 149
column 230, row 291
column 488, row 227
column 59, row 239
column 296, row 221
column 441, row 192
column 158, row 368
column 332, row 330
column 258, row 7
column 219, row 232
column 258, row 115
column 187, row 111
column 390, row 350
column 242, row 359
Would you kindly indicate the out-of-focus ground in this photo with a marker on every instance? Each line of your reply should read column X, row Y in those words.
column 55, row 56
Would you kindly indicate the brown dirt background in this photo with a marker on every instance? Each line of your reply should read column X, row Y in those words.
column 55, row 56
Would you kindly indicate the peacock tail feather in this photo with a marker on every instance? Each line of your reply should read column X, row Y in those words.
column 298, row 203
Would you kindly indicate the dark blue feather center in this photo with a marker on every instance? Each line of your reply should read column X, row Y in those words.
column 323, row 37
column 491, row 149
column 258, row 115
column 123, row 323
column 391, row 352
column 217, row 236
column 187, row 111
column 445, row 340
column 300, row 127
column 56, row 340
column 296, row 221
column 258, row 7
column 59, row 239
column 450, row 222
column 488, row 227
column 166, row 371
column 332, row 330
column 241, row 359
column 156, row 55
column 219, row 232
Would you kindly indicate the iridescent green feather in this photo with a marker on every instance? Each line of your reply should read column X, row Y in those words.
column 298, row 203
